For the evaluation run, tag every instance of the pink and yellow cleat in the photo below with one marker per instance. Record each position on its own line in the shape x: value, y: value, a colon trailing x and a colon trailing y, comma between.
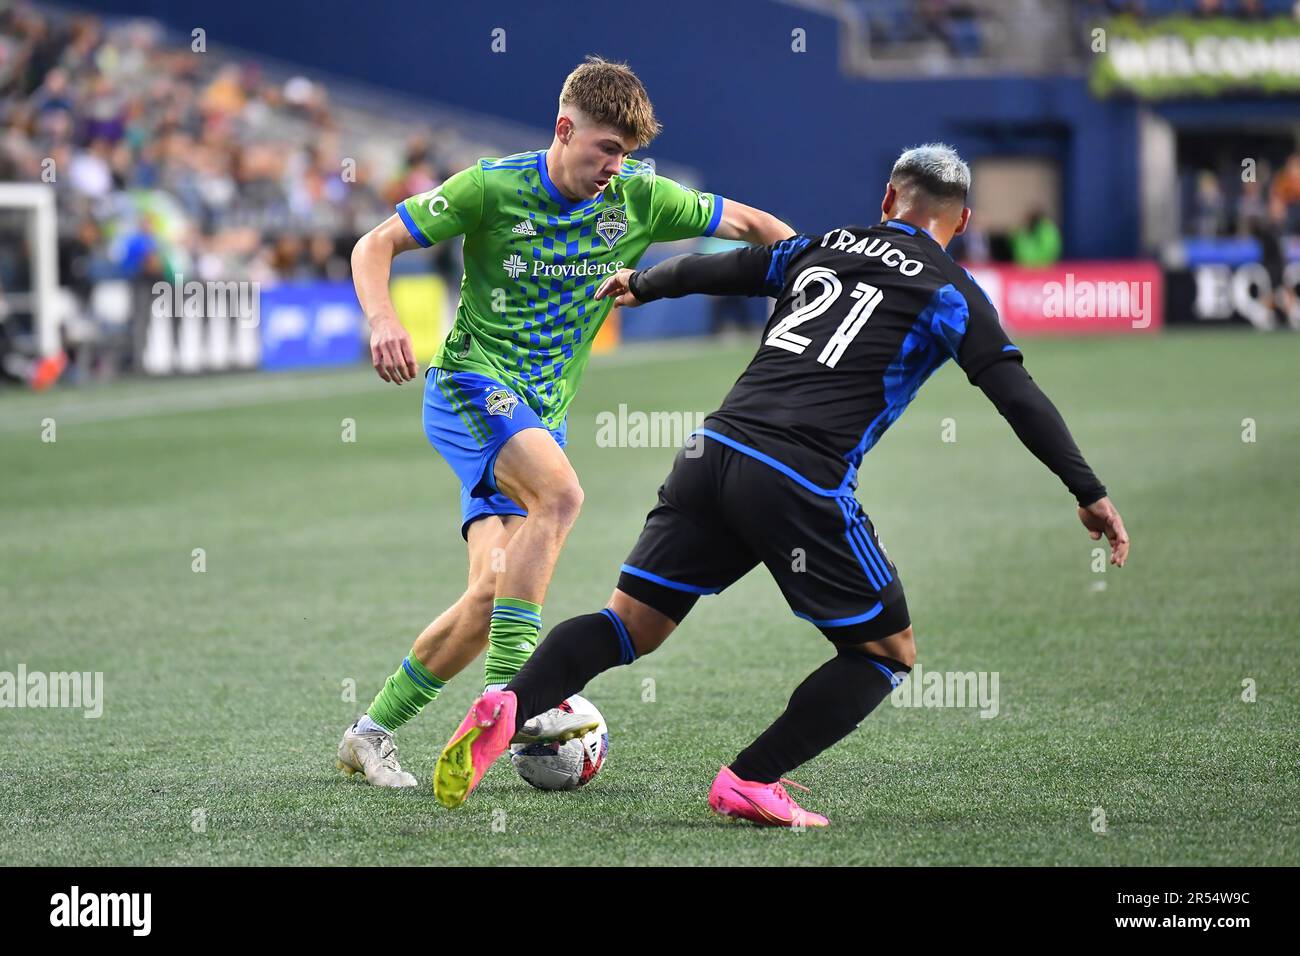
x: 764, y: 803
x: 483, y: 736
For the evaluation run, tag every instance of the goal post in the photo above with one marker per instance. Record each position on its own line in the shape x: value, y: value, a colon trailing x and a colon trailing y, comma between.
x: 36, y: 200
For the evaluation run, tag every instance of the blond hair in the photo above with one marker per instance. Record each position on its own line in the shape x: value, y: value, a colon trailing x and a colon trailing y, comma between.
x: 611, y: 95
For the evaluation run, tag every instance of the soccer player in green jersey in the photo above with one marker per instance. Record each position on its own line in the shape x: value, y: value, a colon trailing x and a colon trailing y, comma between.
x: 542, y: 230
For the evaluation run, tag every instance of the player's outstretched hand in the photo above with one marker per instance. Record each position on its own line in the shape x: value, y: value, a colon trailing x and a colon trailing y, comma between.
x: 1100, y: 518
x: 617, y: 285
x: 391, y: 352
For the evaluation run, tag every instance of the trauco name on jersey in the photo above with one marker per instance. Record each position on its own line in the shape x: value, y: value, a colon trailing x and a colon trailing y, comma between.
x: 887, y: 252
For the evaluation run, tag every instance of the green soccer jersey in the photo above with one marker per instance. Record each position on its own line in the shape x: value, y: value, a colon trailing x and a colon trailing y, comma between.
x: 534, y: 259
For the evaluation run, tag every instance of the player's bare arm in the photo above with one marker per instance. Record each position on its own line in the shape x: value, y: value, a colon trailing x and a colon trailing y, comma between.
x: 750, y: 225
x: 372, y: 260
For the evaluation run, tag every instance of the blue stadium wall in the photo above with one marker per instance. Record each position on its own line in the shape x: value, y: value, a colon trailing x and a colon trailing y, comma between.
x: 782, y: 130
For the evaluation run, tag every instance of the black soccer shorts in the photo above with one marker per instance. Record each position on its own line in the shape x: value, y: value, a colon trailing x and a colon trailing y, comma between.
x: 722, y: 511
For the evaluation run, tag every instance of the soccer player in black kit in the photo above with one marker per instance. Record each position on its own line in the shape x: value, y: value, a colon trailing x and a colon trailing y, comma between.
x: 864, y: 315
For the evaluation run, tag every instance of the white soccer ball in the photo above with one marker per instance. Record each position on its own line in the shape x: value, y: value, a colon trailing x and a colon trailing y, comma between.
x: 568, y: 765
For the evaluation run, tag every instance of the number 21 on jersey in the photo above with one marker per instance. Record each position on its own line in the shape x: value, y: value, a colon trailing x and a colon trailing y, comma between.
x: 868, y: 297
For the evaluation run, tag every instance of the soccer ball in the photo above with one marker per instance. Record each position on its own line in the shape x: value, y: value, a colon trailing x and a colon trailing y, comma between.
x: 567, y: 765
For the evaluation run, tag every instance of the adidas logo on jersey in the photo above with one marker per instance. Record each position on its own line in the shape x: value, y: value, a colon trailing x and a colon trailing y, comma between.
x: 525, y: 228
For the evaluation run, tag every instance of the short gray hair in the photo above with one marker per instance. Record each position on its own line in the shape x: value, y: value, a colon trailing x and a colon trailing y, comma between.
x: 935, y: 169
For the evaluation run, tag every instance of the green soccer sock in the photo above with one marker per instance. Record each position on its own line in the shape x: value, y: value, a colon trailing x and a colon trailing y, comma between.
x: 404, y: 694
x: 511, y: 639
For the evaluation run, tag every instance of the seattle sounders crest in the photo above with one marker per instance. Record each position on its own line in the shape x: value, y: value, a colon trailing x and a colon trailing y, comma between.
x: 611, y: 225
x: 502, y: 402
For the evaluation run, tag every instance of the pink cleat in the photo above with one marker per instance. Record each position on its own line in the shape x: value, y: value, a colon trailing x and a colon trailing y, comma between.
x: 483, y: 736
x: 764, y: 803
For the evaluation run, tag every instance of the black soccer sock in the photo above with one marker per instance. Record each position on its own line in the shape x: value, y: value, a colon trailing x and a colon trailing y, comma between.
x: 573, y: 653
x: 824, y: 709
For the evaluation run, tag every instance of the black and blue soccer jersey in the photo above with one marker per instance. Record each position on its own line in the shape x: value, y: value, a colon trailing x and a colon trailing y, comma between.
x: 863, y: 316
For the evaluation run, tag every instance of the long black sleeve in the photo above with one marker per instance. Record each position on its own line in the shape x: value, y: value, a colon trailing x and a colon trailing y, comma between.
x: 735, y: 272
x: 1039, y: 427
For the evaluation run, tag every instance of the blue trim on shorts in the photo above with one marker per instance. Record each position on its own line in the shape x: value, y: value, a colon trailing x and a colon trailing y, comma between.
x: 842, y: 621
x: 471, y: 509
x: 675, y: 585
x: 864, y: 549
x: 862, y: 559
x: 771, y: 463
x: 874, y: 555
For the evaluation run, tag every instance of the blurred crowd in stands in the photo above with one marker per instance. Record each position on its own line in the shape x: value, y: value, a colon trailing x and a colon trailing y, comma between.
x: 1233, y: 9
x: 966, y: 29
x: 167, y: 163
x: 170, y: 164
x: 1255, y: 202
x: 1237, y: 202
x: 953, y: 23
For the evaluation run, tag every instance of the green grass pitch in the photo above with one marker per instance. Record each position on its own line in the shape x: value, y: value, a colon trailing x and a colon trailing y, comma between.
x: 224, y: 691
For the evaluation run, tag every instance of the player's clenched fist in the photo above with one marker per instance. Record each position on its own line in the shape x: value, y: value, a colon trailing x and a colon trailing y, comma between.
x: 391, y: 352
x: 617, y: 287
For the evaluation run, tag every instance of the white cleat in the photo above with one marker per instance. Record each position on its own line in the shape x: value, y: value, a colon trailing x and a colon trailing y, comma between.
x: 374, y: 756
x: 554, y: 726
